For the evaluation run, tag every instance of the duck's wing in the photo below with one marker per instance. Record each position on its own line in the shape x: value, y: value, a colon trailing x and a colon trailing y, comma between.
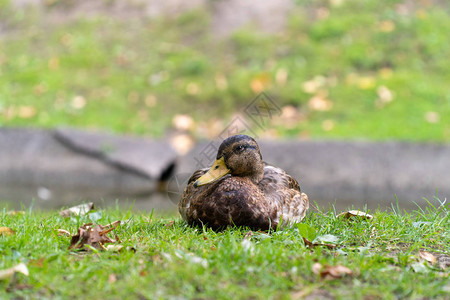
x: 282, y: 189
x: 276, y: 178
x: 189, y: 193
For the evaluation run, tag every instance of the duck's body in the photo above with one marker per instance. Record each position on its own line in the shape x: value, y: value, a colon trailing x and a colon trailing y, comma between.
x: 240, y: 189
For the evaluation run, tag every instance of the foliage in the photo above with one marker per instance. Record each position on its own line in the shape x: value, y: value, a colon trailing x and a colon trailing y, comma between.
x: 372, y: 69
x: 162, y: 257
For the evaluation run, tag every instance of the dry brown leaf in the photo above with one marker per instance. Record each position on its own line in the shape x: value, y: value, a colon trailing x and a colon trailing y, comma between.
x: 320, y: 103
x: 427, y: 256
x: 20, y: 268
x: 112, y: 278
x: 6, y: 231
x: 248, y: 235
x: 354, y: 213
x: 62, y: 232
x: 316, y: 268
x: 311, y: 244
x: 79, y: 210
x: 331, y: 272
x: 93, y: 236
x: 170, y: 224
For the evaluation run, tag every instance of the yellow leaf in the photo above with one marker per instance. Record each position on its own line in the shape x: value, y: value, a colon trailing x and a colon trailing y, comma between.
x: 354, y: 213
x: 6, y: 231
x: 319, y: 103
x: 26, y: 112
x: 427, y: 256
x: 20, y: 268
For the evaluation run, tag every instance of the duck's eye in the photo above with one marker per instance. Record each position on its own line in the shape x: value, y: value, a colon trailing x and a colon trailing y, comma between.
x: 240, y: 148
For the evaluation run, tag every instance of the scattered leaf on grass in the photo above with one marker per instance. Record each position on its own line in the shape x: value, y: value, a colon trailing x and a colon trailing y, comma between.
x: 427, y: 256
x: 326, y: 238
x: 170, y: 224
x: 311, y: 244
x: 307, y: 231
x: 331, y: 272
x: 62, y: 232
x: 114, y: 248
x: 6, y: 231
x: 248, y: 235
x: 15, y: 212
x: 355, y: 213
x: 20, y: 268
x: 93, y: 236
x: 112, y: 278
x: 420, y: 267
x: 79, y: 210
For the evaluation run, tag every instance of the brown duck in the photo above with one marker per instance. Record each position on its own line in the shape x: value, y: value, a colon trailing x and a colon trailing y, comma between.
x: 242, y: 190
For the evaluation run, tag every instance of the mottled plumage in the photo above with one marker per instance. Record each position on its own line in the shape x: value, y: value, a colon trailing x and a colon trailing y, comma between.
x: 240, y: 189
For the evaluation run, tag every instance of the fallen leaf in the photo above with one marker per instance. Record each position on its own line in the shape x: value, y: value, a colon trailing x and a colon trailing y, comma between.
x: 6, y: 231
x: 316, y: 268
x: 62, y: 232
x: 319, y: 103
x: 95, y: 236
x: 331, y: 272
x: 15, y: 212
x: 182, y: 143
x: 354, y: 213
x: 95, y: 216
x: 170, y: 224
x: 248, y: 235
x: 26, y: 112
x: 192, y: 88
x: 427, y: 256
x: 79, y: 210
x: 313, y: 85
x: 326, y: 238
x: 311, y: 244
x: 420, y: 267
x: 78, y: 102
x: 307, y: 231
x: 114, y: 248
x: 366, y: 83
x: 386, y: 26
x: 259, y: 83
x: 20, y: 268
x: 432, y: 117
x: 281, y: 76
x: 112, y: 278
x: 221, y: 82
x: 183, y: 122
x: 384, y: 96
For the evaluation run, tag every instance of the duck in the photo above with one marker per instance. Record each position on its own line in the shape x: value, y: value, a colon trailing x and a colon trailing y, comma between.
x: 242, y: 190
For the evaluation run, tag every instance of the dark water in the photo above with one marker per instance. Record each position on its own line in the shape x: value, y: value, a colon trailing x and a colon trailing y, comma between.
x: 45, y: 199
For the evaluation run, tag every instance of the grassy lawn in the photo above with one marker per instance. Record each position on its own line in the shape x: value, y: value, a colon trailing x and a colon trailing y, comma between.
x: 164, y: 258
x: 340, y: 69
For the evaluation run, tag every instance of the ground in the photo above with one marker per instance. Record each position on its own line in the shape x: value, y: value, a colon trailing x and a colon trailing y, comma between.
x: 387, y: 257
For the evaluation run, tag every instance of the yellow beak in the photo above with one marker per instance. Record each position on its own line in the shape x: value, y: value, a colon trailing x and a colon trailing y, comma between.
x: 218, y: 170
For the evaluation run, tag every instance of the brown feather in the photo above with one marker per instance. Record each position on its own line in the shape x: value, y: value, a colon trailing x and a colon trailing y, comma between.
x: 256, y: 197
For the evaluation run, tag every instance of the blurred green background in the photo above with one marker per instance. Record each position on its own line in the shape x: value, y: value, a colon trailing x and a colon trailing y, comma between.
x: 337, y: 68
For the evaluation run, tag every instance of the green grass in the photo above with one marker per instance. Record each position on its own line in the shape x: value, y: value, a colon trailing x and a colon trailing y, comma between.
x: 176, y: 261
x: 135, y: 74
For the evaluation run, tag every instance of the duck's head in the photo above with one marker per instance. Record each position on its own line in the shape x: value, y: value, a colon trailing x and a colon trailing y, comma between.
x: 239, y: 156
